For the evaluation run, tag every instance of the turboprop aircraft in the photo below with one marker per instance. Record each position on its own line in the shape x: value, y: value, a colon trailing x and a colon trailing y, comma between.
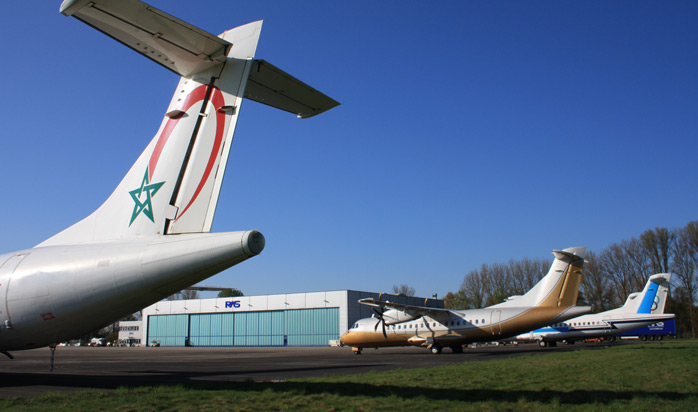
x: 151, y: 237
x: 640, y: 309
x: 551, y: 300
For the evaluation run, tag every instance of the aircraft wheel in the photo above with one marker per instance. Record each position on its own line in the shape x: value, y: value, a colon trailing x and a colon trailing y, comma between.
x: 660, y: 337
x: 457, y: 348
x: 643, y: 337
x: 542, y: 344
x: 357, y: 351
x: 435, y: 349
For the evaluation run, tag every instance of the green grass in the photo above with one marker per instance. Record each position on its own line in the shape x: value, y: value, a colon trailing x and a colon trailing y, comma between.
x: 652, y: 377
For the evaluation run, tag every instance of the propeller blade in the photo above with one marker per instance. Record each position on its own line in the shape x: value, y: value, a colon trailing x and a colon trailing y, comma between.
x: 380, y: 317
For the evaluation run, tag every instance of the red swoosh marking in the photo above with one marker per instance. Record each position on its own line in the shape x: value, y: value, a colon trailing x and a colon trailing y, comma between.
x: 218, y: 102
x: 195, y: 96
x: 192, y: 98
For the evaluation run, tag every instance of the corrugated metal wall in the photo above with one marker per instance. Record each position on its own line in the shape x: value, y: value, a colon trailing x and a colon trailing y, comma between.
x: 168, y: 330
x: 296, y: 327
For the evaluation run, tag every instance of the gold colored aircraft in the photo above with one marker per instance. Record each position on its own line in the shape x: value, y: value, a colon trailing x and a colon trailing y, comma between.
x: 551, y: 300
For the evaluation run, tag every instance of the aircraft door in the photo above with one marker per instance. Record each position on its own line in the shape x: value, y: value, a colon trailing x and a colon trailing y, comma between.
x: 496, y: 322
x: 607, y: 324
x: 6, y: 269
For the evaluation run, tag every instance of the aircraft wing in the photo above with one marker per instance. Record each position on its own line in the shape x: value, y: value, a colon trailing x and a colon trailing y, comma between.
x: 421, y: 310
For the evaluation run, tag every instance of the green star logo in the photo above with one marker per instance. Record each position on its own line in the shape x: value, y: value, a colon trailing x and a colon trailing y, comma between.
x: 143, y: 196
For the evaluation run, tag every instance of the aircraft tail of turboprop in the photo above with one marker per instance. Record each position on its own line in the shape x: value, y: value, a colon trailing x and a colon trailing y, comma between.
x: 653, y: 297
x: 560, y: 287
x: 174, y: 185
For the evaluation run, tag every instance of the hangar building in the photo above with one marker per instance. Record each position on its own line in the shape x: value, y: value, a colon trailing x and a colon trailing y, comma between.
x: 295, y: 319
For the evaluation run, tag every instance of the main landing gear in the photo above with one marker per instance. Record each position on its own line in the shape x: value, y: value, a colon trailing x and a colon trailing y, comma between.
x: 436, y: 349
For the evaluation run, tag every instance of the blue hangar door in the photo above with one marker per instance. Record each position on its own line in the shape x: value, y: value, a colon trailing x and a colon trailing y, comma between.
x: 295, y: 327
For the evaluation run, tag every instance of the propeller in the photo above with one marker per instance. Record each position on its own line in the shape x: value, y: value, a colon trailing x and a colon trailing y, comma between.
x: 379, y: 316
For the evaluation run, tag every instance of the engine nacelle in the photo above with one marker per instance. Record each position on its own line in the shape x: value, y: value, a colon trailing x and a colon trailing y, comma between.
x: 395, y: 316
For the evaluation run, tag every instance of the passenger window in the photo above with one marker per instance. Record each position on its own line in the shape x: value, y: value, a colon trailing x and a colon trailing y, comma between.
x: 476, y: 321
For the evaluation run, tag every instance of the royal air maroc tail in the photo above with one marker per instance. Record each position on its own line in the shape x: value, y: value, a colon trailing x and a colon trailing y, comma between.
x: 151, y: 237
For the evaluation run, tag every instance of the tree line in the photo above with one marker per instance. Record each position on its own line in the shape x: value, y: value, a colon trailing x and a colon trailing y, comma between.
x: 609, y: 276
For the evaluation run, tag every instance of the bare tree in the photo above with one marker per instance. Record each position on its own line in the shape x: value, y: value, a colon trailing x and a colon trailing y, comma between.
x: 403, y: 290
x: 626, y: 267
x: 473, y: 288
x: 658, y: 247
x: 492, y: 284
x: 595, y: 285
x: 533, y: 271
x: 685, y: 267
x: 185, y: 294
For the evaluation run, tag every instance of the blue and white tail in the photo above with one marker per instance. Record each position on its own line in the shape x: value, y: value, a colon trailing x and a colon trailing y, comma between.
x: 653, y: 297
x: 174, y: 185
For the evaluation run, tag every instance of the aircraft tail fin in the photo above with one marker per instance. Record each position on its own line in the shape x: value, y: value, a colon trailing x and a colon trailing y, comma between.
x: 631, y: 303
x: 560, y: 287
x: 174, y: 185
x: 653, y: 297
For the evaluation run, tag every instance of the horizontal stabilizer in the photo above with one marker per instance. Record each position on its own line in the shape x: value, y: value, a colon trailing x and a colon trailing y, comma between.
x: 167, y: 40
x: 570, y: 255
x: 272, y: 86
x: 188, y: 51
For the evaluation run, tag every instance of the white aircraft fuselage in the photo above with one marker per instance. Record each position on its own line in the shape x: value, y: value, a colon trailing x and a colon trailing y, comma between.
x: 640, y: 309
x: 55, y: 293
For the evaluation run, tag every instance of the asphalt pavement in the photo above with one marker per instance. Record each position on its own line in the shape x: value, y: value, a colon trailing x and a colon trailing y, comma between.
x: 107, y: 368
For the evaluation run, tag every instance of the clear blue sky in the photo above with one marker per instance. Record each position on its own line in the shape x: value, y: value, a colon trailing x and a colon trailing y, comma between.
x: 470, y: 132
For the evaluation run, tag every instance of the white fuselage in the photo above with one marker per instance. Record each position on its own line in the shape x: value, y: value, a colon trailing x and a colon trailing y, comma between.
x: 594, y: 326
x: 51, y: 294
